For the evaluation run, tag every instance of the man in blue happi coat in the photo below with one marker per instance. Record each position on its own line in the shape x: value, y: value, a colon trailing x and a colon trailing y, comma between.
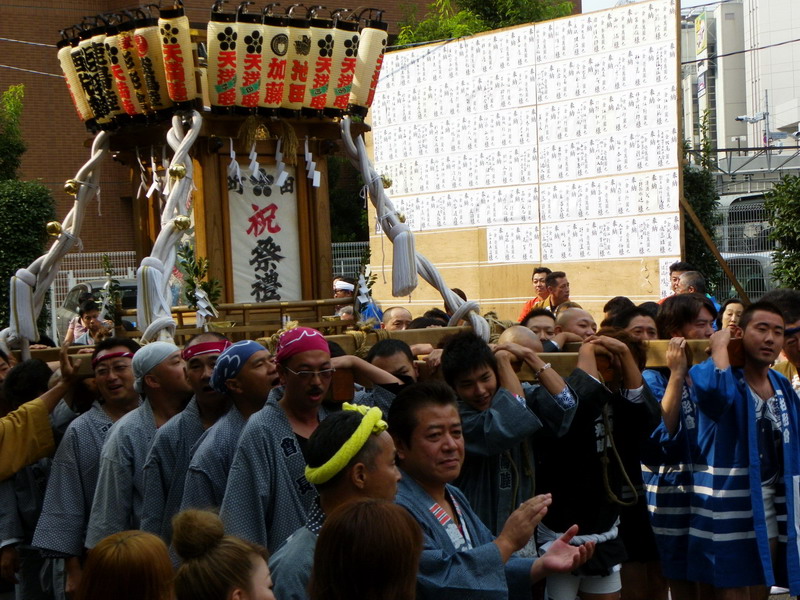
x: 160, y: 377
x: 744, y: 533
x: 461, y: 558
x: 174, y: 443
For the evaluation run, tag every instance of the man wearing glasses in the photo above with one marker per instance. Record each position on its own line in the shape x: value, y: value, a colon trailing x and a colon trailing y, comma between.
x: 61, y: 530
x: 267, y: 496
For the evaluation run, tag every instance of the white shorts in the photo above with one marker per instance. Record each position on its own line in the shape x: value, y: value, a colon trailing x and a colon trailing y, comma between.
x: 770, y: 514
x: 565, y: 586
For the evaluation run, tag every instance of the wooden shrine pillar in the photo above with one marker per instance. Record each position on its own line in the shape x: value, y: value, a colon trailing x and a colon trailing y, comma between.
x: 211, y: 200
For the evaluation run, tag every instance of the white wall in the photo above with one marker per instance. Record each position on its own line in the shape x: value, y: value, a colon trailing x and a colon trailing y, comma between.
x: 774, y: 69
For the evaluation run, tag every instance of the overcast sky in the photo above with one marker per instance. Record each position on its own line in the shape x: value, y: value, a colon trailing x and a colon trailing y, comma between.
x: 591, y: 5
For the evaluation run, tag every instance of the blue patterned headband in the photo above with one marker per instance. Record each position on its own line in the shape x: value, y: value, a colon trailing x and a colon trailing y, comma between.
x: 230, y: 363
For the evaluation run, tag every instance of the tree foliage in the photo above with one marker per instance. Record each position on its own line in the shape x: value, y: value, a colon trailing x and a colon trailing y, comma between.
x: 11, y: 145
x: 783, y: 207
x: 348, y: 213
x: 25, y: 209
x: 506, y: 13
x: 25, y: 206
x: 700, y: 191
x: 195, y: 275
x: 447, y: 20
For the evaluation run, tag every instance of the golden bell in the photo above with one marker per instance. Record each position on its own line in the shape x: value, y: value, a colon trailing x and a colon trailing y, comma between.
x: 72, y: 187
x: 386, y: 181
x: 401, y: 217
x: 178, y: 171
x: 53, y: 228
x: 182, y: 223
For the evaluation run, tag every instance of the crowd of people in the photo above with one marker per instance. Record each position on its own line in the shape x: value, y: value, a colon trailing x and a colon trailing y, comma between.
x: 221, y: 470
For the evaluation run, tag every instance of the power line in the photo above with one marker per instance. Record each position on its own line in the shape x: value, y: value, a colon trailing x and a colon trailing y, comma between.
x: 30, y: 71
x: 5, y: 39
x: 745, y: 51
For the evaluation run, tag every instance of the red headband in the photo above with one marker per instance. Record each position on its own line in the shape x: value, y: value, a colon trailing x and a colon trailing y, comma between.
x: 297, y: 340
x: 111, y: 355
x: 217, y: 347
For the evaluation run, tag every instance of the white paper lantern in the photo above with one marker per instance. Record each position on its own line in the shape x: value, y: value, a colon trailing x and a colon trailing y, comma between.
x: 147, y: 38
x: 320, y: 62
x: 370, y: 59
x: 133, y: 66
x: 249, y: 58
x: 176, y: 50
x: 294, y: 89
x: 345, y: 55
x: 273, y: 69
x: 73, y: 83
x: 221, y: 44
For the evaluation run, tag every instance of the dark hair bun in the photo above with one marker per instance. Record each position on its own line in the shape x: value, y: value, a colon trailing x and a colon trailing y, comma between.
x: 196, y: 532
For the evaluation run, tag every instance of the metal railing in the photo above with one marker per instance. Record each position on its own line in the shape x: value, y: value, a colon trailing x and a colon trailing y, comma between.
x: 743, y: 239
x: 86, y: 266
x: 347, y: 258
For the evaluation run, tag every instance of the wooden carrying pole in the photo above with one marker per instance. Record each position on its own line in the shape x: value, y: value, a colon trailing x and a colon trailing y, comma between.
x: 713, y: 247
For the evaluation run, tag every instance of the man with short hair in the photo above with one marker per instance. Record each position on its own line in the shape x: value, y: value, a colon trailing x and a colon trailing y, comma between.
x: 557, y: 289
x: 691, y: 317
x: 677, y: 269
x: 669, y: 459
x: 577, y: 321
x: 691, y: 282
x: 244, y: 374
x: 542, y: 323
x: 749, y: 419
x: 350, y: 457
x: 461, y: 558
x: 61, y: 529
x: 173, y: 445
x: 395, y: 357
x: 540, y: 288
x: 638, y: 322
x: 396, y: 318
x: 789, y: 302
x: 499, y: 416
x: 267, y: 496
x: 160, y: 376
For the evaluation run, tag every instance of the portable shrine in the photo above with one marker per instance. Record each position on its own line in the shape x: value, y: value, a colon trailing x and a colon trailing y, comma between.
x: 227, y: 129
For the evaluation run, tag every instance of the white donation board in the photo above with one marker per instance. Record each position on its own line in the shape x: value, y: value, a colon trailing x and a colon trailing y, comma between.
x: 559, y: 139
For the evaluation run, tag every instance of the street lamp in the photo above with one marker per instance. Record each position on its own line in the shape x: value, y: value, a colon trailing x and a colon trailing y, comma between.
x: 754, y: 119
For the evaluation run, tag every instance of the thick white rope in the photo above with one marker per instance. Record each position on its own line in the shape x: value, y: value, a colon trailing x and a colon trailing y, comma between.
x: 29, y: 286
x: 154, y: 306
x: 407, y: 261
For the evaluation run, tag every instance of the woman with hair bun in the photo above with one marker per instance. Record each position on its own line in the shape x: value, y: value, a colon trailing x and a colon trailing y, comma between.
x: 217, y: 566
x: 129, y: 565
x: 368, y: 549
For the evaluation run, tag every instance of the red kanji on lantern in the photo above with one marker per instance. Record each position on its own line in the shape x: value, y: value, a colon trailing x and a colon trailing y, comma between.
x: 273, y: 93
x: 276, y: 69
x: 227, y: 58
x: 296, y: 92
x: 123, y: 89
x: 251, y: 79
x: 263, y: 218
x: 299, y: 70
x: 374, y: 82
x: 173, y: 67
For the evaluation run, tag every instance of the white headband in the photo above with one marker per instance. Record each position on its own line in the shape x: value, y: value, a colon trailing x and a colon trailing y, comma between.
x: 343, y: 286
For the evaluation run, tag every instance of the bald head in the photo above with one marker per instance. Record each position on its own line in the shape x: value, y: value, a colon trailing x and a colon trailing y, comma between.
x: 519, y: 334
x: 396, y: 318
x: 577, y: 321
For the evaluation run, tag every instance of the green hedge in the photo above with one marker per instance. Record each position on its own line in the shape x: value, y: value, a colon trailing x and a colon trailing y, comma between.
x: 25, y: 209
x: 783, y: 207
